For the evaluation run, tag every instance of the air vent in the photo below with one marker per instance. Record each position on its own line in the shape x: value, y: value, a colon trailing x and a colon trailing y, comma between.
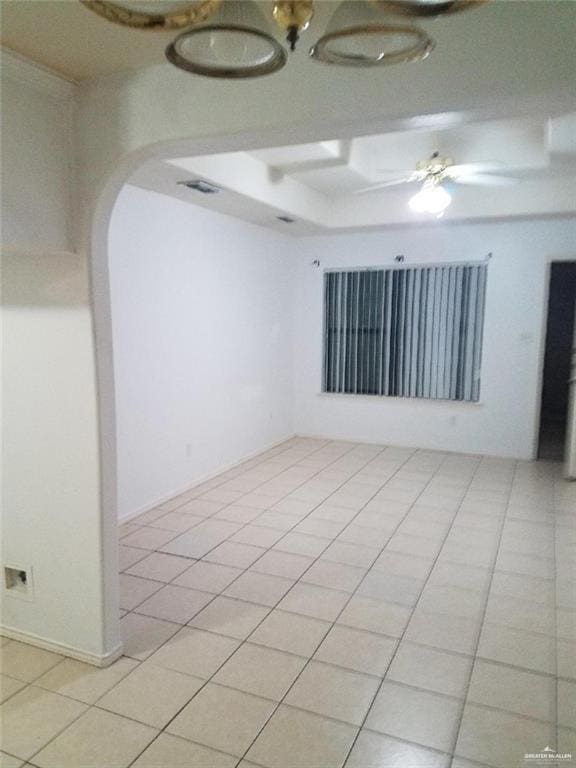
x: 286, y: 219
x: 201, y: 186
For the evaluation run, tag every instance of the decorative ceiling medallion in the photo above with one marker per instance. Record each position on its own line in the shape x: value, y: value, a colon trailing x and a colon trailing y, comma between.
x: 183, y: 16
x: 424, y: 8
x: 417, y: 45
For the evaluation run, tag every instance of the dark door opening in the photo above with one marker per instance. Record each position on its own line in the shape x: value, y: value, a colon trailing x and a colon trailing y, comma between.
x: 559, y: 335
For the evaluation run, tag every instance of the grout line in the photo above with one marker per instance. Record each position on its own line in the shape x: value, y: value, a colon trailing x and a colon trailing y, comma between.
x: 484, y: 623
x: 366, y: 716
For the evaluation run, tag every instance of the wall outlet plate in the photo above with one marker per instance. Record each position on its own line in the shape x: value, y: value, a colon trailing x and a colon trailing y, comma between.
x: 17, y: 581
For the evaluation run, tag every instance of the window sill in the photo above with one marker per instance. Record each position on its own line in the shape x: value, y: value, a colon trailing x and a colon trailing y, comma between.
x: 397, y: 398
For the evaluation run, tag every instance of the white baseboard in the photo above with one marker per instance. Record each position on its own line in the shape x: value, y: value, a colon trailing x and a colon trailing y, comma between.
x: 30, y: 638
x: 204, y: 479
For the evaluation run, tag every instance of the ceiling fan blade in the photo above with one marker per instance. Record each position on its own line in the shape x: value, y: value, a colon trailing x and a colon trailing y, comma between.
x: 485, y: 180
x: 465, y: 169
x: 383, y: 185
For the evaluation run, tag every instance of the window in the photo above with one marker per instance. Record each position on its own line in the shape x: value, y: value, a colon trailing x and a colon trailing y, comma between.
x: 405, y: 332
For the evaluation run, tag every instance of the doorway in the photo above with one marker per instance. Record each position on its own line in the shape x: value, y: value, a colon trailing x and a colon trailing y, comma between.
x: 556, y: 374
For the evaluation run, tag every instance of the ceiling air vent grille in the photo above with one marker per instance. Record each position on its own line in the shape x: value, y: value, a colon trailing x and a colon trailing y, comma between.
x: 205, y: 187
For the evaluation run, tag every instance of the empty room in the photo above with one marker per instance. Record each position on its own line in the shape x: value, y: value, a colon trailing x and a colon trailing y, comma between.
x: 288, y: 384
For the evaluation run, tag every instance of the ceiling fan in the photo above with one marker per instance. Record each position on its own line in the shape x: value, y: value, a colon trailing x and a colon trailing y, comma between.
x: 433, y: 173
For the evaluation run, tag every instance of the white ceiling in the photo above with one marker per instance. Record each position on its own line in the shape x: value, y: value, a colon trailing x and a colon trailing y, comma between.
x: 315, y: 183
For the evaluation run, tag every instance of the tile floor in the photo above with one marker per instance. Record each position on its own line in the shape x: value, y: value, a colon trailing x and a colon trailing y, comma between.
x: 326, y: 604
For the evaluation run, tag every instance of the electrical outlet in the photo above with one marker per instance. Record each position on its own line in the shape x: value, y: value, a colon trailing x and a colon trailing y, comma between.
x: 18, y: 581
x: 188, y: 449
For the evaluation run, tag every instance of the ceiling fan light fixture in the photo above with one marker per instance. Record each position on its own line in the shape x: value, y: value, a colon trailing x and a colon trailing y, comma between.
x: 357, y: 37
x: 426, y: 8
x: 431, y: 198
x: 234, y: 44
x: 161, y: 15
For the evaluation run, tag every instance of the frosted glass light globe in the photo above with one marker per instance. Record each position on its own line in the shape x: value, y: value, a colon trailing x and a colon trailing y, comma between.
x: 431, y: 198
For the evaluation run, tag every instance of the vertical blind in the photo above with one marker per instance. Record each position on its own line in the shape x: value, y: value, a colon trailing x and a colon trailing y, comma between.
x: 408, y: 332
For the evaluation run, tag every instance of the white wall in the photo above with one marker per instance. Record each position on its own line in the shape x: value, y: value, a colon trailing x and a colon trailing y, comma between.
x: 36, y: 174
x: 50, y: 510
x: 504, y: 422
x: 51, y: 516
x: 201, y: 318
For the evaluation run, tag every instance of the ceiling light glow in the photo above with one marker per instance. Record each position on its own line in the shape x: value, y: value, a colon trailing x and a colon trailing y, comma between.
x: 432, y: 198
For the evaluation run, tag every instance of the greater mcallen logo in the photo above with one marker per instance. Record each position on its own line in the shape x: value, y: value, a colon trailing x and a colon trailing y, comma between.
x: 548, y: 754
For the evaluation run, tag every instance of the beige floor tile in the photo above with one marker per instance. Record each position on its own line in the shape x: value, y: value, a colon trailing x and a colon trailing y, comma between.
x: 452, y: 601
x: 366, y: 535
x: 566, y: 659
x: 234, y: 554
x: 226, y: 616
x: 295, y: 739
x: 26, y: 662
x: 261, y: 588
x: 147, y: 517
x: 84, y: 682
x: 567, y: 741
x: 375, y: 616
x: 446, y: 574
x: 134, y: 590
x: 289, y: 632
x: 393, y: 589
x: 178, y: 522
x: 201, y: 539
x: 174, y: 752
x: 374, y: 750
x: 325, y: 573
x: 201, y: 507
x: 521, y: 649
x: 313, y: 526
x: 357, y: 650
x: 350, y: 554
x: 518, y: 691
x: 124, y: 530
x: 127, y: 556
x: 430, y: 669
x: 8, y: 761
x: 400, y: 564
x: 528, y: 565
x: 208, y: 577
x: 142, y: 635
x: 257, y: 536
x: 276, y: 520
x: 333, y: 692
x: 223, y: 718
x: 523, y: 588
x: 302, y: 544
x: 418, y: 716
x: 195, y: 652
x: 151, y: 694
x: 500, y: 739
x: 148, y: 538
x: 317, y: 602
x: 519, y: 614
x: 282, y: 564
x: 97, y: 739
x: 9, y: 686
x: 177, y: 604
x: 32, y: 717
x: 293, y: 507
x: 159, y: 567
x: 237, y: 514
x: 567, y: 703
x: 262, y: 671
x: 449, y: 633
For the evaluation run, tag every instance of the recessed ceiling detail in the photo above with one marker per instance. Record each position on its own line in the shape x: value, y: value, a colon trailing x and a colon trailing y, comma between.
x: 489, y: 170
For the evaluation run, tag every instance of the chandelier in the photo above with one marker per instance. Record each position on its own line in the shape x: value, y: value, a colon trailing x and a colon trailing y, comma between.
x: 235, y: 38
